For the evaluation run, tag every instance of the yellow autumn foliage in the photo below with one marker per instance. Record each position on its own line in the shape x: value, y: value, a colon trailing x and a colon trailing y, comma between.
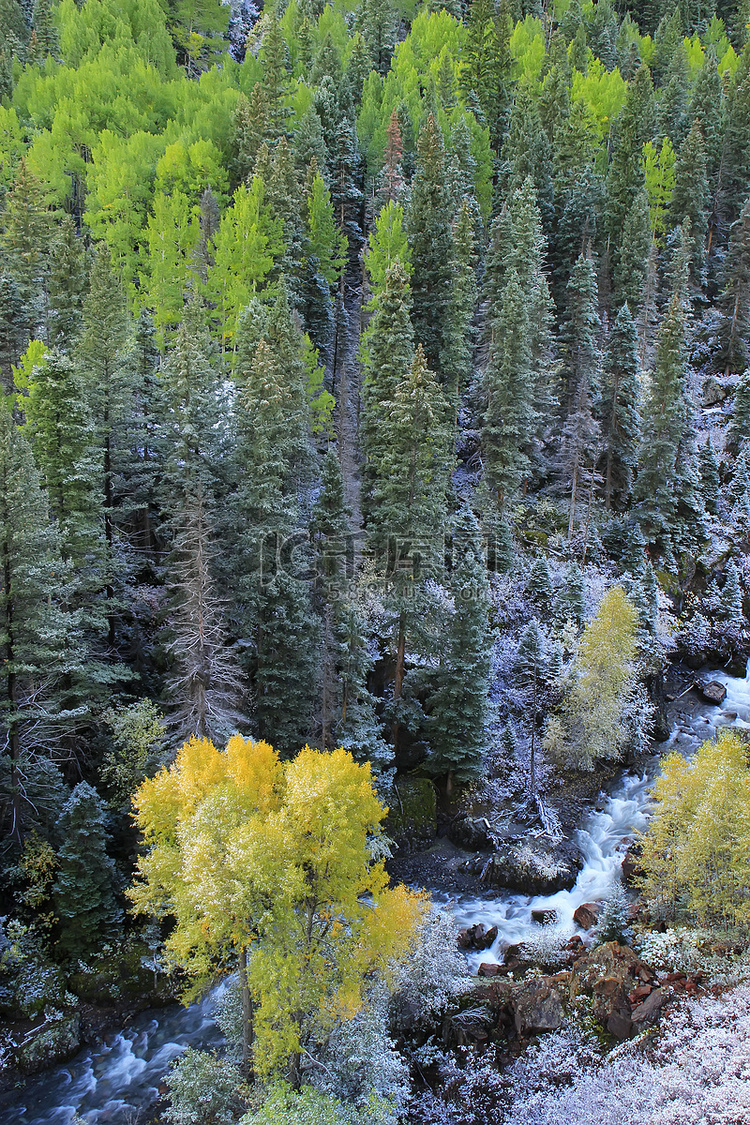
x: 249, y: 853
x: 696, y: 852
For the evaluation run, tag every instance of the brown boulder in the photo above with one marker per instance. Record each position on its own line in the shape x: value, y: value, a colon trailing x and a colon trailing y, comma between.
x: 476, y: 937
x: 587, y: 915
x: 712, y: 691
x: 608, y: 974
x: 648, y: 1012
x: 619, y: 1026
x: 488, y: 969
x: 538, y: 1008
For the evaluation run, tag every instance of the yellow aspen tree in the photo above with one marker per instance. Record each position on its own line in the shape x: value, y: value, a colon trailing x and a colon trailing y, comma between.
x: 270, y: 865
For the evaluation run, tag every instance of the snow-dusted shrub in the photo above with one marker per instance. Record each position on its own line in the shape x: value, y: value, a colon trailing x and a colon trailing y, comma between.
x: 436, y: 974
x: 227, y: 1011
x: 687, y: 950
x: 203, y: 1090
x: 469, y: 1090
x: 546, y: 946
x: 359, y: 1063
x: 614, y: 923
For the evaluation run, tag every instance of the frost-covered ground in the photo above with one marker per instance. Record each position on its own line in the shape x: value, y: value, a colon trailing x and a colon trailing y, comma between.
x: 698, y: 1074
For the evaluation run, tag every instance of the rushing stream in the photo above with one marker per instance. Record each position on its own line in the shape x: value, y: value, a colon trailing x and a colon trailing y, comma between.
x: 110, y: 1085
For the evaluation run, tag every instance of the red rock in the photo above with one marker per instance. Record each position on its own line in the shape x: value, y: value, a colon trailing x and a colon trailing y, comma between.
x: 587, y: 915
x: 639, y: 993
x: 488, y: 969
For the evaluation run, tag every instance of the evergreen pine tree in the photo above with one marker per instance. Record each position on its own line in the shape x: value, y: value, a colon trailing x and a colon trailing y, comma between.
x: 634, y: 127
x: 44, y: 27
x: 272, y: 458
x: 83, y: 890
x: 36, y: 632
x: 410, y: 475
x: 620, y: 410
x: 346, y: 193
x: 634, y: 252
x: 457, y: 707
x: 735, y: 299
x: 530, y: 670
x: 274, y: 56
x: 690, y: 196
x: 25, y: 238
x: 508, y: 419
x: 709, y: 472
x: 250, y: 128
x: 539, y: 585
x: 665, y: 418
x: 731, y: 597
x: 431, y: 242
x: 485, y: 74
x: 63, y: 435
x: 204, y: 678
x: 580, y: 446
x: 66, y: 286
x: 378, y: 22
x: 571, y: 598
x: 389, y: 354
x: 12, y: 328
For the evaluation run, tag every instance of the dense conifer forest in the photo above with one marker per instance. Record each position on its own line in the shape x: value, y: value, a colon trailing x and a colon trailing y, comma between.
x: 374, y: 482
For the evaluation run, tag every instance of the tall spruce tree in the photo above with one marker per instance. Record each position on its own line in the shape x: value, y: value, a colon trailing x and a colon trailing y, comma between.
x: 620, y: 410
x: 735, y: 298
x: 389, y: 351
x: 66, y: 286
x: 83, y: 890
x: 38, y: 636
x: 582, y: 372
x: 662, y: 473
x: 508, y: 385
x: 691, y: 195
x: 411, y: 477
x: 108, y: 392
x: 457, y: 707
x: 273, y: 460
x: 431, y: 242
x: 204, y: 677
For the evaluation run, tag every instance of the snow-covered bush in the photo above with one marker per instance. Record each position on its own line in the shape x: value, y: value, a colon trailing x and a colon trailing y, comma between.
x: 687, y: 950
x: 546, y: 946
x: 203, y: 1090
x: 436, y: 974
x: 359, y: 1062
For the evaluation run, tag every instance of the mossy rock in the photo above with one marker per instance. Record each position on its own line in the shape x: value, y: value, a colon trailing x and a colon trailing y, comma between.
x: 54, y: 1044
x: 37, y: 985
x: 412, y: 817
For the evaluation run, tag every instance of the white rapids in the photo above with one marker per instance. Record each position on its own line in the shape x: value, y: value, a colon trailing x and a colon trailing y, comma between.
x: 116, y: 1083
